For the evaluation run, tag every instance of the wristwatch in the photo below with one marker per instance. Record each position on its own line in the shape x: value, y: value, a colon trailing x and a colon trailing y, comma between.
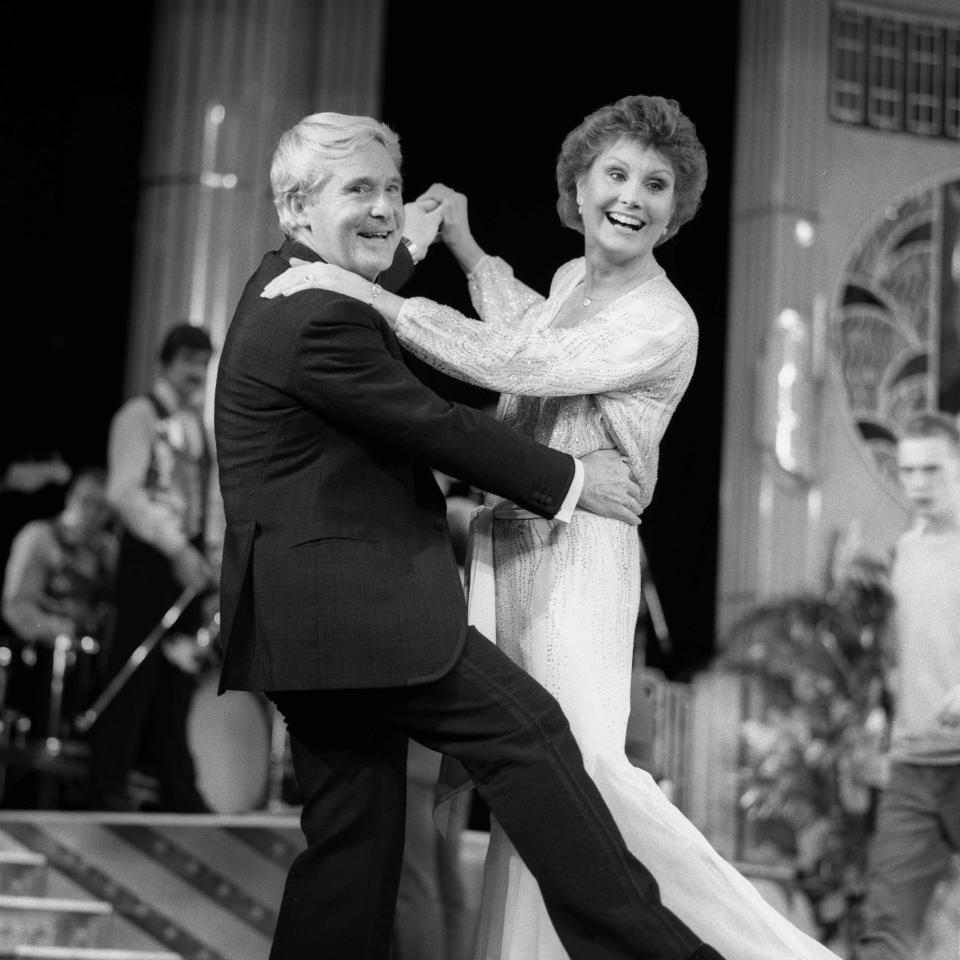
x: 412, y: 248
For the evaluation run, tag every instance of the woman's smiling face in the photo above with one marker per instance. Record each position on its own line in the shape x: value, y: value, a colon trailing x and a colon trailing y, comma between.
x: 627, y: 199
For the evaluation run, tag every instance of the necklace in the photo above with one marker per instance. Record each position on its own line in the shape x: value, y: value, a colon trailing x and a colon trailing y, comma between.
x: 589, y: 301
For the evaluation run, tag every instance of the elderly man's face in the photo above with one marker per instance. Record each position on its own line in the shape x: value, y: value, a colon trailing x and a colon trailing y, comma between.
x: 356, y: 217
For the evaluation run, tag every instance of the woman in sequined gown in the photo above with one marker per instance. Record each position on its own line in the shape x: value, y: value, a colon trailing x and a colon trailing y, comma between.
x: 600, y: 363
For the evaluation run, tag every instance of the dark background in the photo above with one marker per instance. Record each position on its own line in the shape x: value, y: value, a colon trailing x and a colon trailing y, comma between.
x: 73, y: 85
x: 486, y: 114
x: 481, y: 95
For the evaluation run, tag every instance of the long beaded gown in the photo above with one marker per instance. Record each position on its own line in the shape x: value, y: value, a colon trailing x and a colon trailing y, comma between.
x: 567, y: 595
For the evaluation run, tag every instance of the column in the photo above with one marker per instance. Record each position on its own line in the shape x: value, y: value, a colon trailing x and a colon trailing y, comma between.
x: 227, y: 77
x: 769, y: 496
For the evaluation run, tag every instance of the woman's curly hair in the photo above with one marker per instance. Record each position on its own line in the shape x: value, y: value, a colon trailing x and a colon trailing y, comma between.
x: 650, y: 121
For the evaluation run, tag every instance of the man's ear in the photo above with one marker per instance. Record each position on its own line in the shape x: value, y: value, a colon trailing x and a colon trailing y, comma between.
x: 298, y: 209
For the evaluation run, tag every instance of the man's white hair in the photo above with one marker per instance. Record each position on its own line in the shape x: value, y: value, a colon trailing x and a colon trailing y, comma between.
x: 300, y: 160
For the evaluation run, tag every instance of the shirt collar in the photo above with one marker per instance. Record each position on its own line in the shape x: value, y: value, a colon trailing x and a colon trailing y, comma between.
x: 167, y: 395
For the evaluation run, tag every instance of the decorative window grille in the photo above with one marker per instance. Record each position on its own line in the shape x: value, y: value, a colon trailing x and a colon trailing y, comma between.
x: 894, y: 334
x: 924, y: 113
x: 849, y: 88
x: 895, y: 71
x: 885, y: 75
x: 951, y: 120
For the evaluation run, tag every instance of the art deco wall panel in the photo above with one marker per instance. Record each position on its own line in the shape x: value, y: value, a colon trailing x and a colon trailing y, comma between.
x: 844, y: 278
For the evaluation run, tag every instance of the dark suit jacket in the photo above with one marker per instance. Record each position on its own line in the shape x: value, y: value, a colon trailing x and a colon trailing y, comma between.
x: 337, y: 567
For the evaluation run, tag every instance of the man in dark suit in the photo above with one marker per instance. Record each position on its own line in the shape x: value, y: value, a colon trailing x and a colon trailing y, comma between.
x: 341, y: 597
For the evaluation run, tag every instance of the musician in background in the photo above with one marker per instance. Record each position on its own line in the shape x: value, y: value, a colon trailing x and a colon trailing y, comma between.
x: 162, y: 483
x: 30, y: 489
x: 57, y: 588
x: 58, y: 575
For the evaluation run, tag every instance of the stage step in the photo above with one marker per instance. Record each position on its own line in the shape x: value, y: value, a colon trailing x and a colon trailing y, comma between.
x: 80, y: 953
x: 55, y: 921
x: 23, y: 873
x: 204, y: 887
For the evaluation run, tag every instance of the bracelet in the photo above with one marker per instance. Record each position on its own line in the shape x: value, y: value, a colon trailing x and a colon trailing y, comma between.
x: 374, y: 293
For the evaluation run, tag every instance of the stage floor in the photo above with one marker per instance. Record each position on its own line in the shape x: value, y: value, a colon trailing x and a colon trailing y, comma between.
x: 201, y: 887
x: 208, y: 887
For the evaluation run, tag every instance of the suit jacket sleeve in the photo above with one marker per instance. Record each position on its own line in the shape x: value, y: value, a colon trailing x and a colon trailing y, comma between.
x: 449, y: 387
x: 346, y: 372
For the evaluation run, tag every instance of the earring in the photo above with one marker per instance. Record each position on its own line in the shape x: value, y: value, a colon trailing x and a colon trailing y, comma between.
x: 579, y: 206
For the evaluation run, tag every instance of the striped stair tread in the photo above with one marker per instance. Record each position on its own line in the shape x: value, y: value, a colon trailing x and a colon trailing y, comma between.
x: 23, y: 873
x: 21, y: 856
x: 204, y: 887
x: 80, y: 953
x: 55, y: 921
x: 56, y: 904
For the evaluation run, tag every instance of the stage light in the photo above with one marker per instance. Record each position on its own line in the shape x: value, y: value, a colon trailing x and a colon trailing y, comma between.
x: 804, y: 233
x: 787, y: 392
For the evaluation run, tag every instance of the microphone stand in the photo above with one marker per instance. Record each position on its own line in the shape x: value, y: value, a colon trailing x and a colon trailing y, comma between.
x: 93, y: 713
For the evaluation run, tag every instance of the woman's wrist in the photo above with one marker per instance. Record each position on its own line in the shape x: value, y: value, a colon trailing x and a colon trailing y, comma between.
x: 387, y: 304
x: 468, y: 253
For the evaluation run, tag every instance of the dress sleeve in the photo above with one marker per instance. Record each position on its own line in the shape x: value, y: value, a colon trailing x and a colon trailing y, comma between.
x: 645, y: 340
x: 499, y: 297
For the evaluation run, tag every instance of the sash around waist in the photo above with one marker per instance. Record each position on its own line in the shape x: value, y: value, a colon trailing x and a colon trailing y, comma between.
x: 478, y: 580
x: 507, y: 510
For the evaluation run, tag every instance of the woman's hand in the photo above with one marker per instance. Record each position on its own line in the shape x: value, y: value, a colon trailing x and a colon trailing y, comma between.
x: 318, y: 276
x: 327, y: 276
x: 455, y: 229
x: 456, y: 222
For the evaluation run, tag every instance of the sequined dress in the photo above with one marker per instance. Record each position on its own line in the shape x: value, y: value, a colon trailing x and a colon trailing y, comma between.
x: 567, y: 595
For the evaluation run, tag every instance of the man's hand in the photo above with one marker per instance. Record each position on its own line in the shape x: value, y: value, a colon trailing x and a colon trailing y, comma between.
x: 455, y: 230
x: 949, y: 715
x: 421, y: 225
x: 191, y: 569
x: 184, y: 652
x: 609, y: 490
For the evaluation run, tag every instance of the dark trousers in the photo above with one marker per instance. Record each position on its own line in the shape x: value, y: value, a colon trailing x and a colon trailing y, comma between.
x: 432, y: 921
x: 917, y: 835
x: 349, y: 754
x: 155, y: 702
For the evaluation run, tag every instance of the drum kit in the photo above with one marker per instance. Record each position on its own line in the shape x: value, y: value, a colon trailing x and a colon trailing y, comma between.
x: 238, y: 740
